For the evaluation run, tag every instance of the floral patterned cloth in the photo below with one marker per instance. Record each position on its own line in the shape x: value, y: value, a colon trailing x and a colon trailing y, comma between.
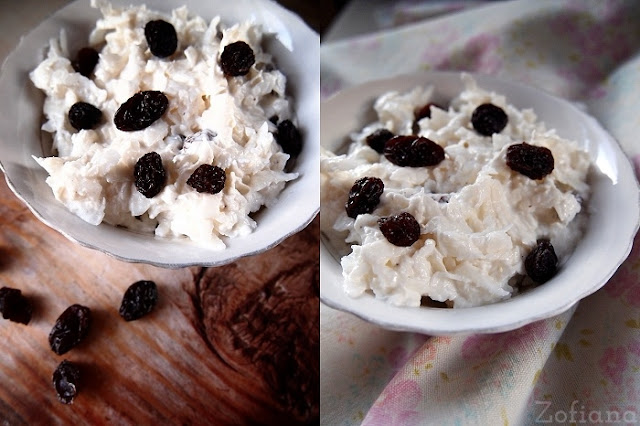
x: 580, y: 367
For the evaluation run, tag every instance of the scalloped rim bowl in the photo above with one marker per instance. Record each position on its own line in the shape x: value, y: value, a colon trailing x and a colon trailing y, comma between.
x: 296, y: 50
x: 612, y: 224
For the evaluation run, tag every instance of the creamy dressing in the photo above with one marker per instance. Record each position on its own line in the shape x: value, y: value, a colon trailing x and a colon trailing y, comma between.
x: 479, y: 219
x: 211, y: 119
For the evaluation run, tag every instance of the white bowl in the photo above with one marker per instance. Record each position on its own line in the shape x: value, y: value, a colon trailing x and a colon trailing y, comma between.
x: 295, y: 48
x: 612, y: 223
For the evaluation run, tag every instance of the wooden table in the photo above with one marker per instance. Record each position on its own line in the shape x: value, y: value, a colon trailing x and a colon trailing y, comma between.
x: 230, y: 345
x: 234, y: 344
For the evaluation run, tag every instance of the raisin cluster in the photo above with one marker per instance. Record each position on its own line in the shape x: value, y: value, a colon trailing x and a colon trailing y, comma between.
x: 403, y: 229
x: 72, y: 327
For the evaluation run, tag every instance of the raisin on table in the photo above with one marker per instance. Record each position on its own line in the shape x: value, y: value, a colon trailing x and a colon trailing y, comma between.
x: 161, y: 37
x: 364, y: 196
x: 541, y: 263
x: 378, y: 139
x: 139, y: 299
x: 289, y: 138
x: 236, y: 59
x: 84, y: 116
x: 85, y: 61
x: 14, y: 306
x: 66, y: 378
x: 488, y: 119
x: 535, y: 162
x: 413, y: 151
x: 71, y: 327
x: 401, y: 230
x: 149, y: 174
x: 141, y: 110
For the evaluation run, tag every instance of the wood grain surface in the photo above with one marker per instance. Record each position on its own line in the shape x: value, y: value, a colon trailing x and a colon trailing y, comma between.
x: 238, y: 344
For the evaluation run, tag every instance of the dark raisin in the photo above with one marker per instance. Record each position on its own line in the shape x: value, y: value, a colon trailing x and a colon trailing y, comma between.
x: 149, y: 174
x: 488, y: 119
x: 138, y: 300
x: 424, y: 111
x: 237, y: 59
x: 378, y: 139
x: 85, y: 61
x: 401, y: 229
x: 83, y: 115
x: 413, y: 151
x: 71, y: 327
x: 535, y: 162
x: 140, y: 110
x: 208, y: 178
x: 66, y: 378
x: 289, y: 138
x: 161, y: 37
x: 364, y: 196
x: 14, y: 306
x: 541, y: 262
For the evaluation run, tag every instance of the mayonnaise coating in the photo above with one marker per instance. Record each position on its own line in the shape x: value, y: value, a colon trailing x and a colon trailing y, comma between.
x: 479, y: 219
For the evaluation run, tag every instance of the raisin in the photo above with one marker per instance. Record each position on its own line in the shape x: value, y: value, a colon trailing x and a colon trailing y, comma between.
x: 424, y: 111
x: 14, y: 306
x: 541, y: 263
x: 149, y: 174
x: 289, y: 138
x: 140, y: 111
x: 236, y: 59
x: 401, y: 229
x: 535, y: 162
x: 66, y: 378
x: 161, y: 37
x: 413, y: 151
x: 83, y: 115
x: 378, y: 139
x: 488, y: 119
x: 85, y: 61
x: 364, y: 196
x: 208, y: 178
x: 138, y: 300
x: 71, y: 327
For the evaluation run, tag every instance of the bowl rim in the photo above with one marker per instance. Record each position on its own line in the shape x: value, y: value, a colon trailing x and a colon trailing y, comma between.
x: 307, y: 206
x: 481, y: 319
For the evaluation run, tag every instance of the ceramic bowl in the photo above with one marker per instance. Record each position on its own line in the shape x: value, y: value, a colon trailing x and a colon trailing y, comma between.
x: 613, y: 212
x: 294, y: 46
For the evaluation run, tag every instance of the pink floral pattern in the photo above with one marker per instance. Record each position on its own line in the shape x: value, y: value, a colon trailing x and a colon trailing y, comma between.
x: 614, y: 363
x: 397, y: 406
